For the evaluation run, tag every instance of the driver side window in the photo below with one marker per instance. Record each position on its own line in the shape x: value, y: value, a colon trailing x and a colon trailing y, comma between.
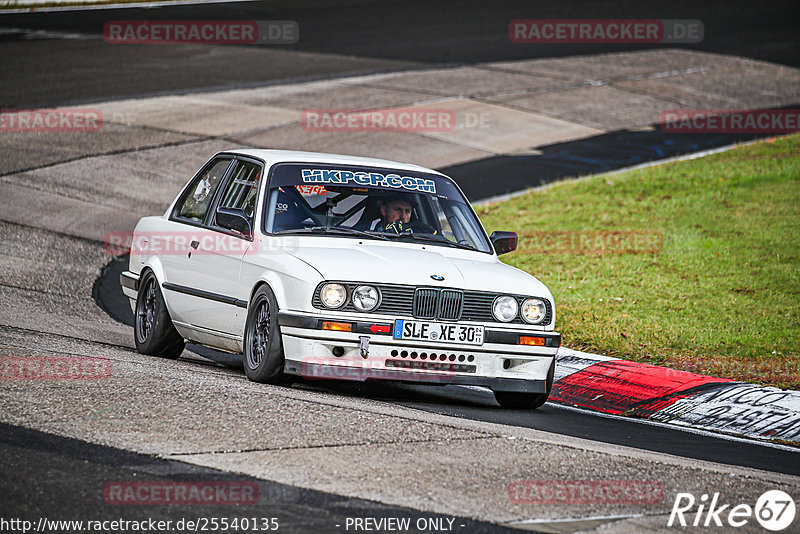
x: 198, y: 197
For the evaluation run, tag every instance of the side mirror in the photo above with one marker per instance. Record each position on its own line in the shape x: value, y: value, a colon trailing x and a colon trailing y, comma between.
x: 504, y: 241
x: 234, y: 219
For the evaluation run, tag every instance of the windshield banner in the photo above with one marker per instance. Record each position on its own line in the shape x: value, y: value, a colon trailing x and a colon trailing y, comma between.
x: 373, y: 179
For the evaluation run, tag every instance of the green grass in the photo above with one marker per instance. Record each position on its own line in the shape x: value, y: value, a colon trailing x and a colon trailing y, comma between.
x: 719, y: 295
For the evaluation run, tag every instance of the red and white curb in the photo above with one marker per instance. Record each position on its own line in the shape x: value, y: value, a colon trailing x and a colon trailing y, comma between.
x: 626, y: 388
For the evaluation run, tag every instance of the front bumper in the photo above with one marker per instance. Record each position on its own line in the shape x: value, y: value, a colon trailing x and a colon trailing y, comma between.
x: 500, y: 363
x: 130, y: 283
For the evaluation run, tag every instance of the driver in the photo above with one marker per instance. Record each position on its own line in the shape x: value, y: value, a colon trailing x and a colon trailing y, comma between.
x: 396, y: 216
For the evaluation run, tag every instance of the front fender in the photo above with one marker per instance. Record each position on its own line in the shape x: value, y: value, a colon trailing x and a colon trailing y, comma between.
x: 291, y: 280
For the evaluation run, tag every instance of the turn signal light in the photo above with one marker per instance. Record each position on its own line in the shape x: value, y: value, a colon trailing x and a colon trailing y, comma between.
x: 340, y: 327
x: 527, y: 340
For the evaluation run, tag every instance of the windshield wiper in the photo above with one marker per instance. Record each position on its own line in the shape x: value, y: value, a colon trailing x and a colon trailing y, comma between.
x: 332, y: 229
x: 434, y: 239
x: 376, y: 235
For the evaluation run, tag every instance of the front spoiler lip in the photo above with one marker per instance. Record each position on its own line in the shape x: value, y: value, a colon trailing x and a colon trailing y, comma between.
x: 316, y: 371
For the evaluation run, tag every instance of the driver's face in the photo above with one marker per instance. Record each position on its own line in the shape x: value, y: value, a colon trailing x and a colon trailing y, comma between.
x: 396, y: 210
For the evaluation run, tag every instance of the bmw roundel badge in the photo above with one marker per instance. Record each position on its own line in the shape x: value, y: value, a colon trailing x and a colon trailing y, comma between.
x: 437, y: 277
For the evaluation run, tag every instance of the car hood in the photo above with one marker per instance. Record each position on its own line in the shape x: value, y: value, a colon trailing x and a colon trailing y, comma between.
x: 409, y: 264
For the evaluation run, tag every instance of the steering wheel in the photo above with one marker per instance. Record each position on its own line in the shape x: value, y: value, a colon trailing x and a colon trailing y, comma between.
x: 422, y: 228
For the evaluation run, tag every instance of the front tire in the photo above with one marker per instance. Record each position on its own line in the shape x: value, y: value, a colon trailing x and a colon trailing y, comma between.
x: 263, y: 348
x: 527, y: 401
x: 153, y: 330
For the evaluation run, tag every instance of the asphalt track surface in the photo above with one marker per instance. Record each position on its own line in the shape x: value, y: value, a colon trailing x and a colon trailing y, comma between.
x: 76, y: 473
x: 592, y: 155
x: 479, y: 405
x: 54, y: 65
x: 341, y: 38
x: 362, y: 37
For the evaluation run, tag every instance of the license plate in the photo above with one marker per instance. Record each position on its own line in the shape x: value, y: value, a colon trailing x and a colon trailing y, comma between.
x: 438, y: 332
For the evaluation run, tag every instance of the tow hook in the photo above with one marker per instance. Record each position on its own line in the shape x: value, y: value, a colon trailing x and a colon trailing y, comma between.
x: 364, y: 346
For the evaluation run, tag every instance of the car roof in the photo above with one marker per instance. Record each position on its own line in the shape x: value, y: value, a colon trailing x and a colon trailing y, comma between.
x: 271, y: 157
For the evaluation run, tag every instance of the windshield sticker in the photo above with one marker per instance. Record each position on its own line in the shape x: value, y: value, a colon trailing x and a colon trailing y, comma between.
x: 312, y: 190
x: 394, y: 181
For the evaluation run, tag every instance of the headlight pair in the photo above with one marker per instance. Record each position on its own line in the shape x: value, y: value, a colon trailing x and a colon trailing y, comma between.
x: 505, y: 309
x: 364, y: 298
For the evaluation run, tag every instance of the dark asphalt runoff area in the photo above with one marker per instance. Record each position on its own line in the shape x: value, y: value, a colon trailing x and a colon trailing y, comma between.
x: 42, y: 69
x: 592, y: 155
x: 341, y: 38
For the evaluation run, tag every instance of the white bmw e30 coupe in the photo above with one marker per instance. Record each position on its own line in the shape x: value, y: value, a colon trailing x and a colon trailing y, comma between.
x: 339, y: 267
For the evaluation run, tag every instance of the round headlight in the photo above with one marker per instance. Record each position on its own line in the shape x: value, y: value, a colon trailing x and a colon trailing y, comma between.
x: 505, y: 308
x: 333, y: 295
x: 365, y: 298
x: 534, y: 310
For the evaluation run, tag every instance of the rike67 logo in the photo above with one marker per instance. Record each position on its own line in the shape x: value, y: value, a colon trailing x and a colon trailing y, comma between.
x: 774, y: 510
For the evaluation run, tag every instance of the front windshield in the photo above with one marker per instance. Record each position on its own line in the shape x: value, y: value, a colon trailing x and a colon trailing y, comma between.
x: 373, y: 203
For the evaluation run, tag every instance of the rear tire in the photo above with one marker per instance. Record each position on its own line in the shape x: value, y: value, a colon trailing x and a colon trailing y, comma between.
x: 263, y: 348
x: 527, y: 401
x: 153, y: 330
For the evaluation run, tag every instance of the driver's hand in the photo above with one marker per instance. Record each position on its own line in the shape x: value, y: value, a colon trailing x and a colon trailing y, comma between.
x: 397, y: 227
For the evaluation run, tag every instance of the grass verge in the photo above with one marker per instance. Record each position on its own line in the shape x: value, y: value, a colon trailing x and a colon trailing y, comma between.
x: 693, y: 265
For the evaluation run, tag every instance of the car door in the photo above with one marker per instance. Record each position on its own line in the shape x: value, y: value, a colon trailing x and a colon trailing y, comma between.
x: 215, y: 263
x: 186, y: 225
